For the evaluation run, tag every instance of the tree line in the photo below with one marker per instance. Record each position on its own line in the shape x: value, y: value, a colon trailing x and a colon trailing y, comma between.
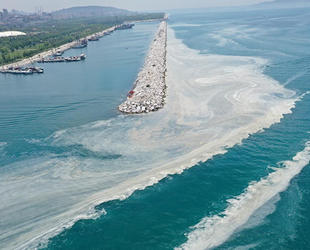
x: 52, y: 34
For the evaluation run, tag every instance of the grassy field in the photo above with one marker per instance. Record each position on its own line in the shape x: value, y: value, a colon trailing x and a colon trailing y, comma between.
x: 54, y: 33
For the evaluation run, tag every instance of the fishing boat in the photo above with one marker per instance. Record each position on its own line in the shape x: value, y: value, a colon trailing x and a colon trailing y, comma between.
x: 80, y: 44
x: 22, y: 71
x: 63, y: 59
x: 124, y: 26
x: 58, y: 53
x: 93, y: 38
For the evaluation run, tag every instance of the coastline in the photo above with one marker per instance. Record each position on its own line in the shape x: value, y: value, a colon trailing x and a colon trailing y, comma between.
x: 149, y: 89
x: 64, y: 47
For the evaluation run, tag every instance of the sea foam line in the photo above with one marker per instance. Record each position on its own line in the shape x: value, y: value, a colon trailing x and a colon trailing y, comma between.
x: 213, y: 231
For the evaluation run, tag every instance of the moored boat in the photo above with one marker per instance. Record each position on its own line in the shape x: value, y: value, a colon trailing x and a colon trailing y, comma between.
x: 80, y: 44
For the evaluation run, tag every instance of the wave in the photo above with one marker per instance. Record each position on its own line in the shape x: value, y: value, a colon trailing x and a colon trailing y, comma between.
x: 2, y: 148
x: 213, y: 103
x: 213, y: 231
x: 186, y: 25
x: 293, y: 78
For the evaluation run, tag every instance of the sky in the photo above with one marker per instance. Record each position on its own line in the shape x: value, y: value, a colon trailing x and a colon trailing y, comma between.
x: 134, y: 5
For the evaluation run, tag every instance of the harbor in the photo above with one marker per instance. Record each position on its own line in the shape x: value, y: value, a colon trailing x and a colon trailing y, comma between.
x: 56, y: 52
x: 55, y: 55
x: 149, y: 90
x: 44, y: 57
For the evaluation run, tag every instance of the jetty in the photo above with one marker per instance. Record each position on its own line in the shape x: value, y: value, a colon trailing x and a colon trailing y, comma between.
x: 149, y: 89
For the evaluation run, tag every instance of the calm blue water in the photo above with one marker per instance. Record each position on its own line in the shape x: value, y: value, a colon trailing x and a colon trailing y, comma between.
x: 161, y: 216
x: 70, y: 94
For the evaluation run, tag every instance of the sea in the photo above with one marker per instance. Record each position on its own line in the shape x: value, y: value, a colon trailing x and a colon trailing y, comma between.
x: 224, y: 165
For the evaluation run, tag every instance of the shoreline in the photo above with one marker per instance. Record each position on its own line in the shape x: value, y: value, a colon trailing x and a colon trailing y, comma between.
x: 149, y: 90
x: 64, y: 47
x: 50, y: 52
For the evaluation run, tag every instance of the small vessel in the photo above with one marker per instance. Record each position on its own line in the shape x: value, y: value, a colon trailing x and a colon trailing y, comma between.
x: 22, y: 71
x: 58, y: 53
x: 63, y: 59
x: 93, y: 38
x: 124, y: 26
x: 80, y: 44
x: 38, y: 70
x: 107, y: 33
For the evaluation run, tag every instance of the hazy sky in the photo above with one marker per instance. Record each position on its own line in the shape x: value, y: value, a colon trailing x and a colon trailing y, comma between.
x: 139, y: 5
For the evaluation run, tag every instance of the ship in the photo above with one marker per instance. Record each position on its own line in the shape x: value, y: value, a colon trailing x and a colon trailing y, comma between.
x: 22, y: 71
x: 63, y: 59
x: 124, y: 26
x: 80, y: 44
x: 58, y: 53
x: 93, y: 38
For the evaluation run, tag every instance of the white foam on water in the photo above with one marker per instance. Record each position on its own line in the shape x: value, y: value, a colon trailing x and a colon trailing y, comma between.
x: 2, y: 148
x: 213, y: 231
x: 213, y: 102
x: 186, y: 25
x: 293, y: 78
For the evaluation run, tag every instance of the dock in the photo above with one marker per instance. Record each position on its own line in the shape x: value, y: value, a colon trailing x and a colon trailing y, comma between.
x: 149, y: 89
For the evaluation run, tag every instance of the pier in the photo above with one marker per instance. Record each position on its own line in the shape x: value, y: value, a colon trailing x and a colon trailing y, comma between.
x: 149, y: 90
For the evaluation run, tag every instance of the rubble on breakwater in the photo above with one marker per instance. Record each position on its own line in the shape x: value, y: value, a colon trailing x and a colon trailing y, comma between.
x: 149, y: 90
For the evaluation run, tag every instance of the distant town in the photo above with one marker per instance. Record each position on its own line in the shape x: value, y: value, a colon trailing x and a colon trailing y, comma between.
x: 18, y: 19
x: 24, y: 35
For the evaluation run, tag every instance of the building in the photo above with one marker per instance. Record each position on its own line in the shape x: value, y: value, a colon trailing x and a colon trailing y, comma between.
x: 5, y: 13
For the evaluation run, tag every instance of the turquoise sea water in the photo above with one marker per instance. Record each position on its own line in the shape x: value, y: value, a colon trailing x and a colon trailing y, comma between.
x: 71, y: 94
x: 163, y: 216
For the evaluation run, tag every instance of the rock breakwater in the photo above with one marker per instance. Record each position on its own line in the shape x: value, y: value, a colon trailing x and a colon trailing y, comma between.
x: 149, y: 90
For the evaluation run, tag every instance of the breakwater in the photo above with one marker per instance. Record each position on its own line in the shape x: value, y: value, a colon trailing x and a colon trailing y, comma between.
x: 149, y: 90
